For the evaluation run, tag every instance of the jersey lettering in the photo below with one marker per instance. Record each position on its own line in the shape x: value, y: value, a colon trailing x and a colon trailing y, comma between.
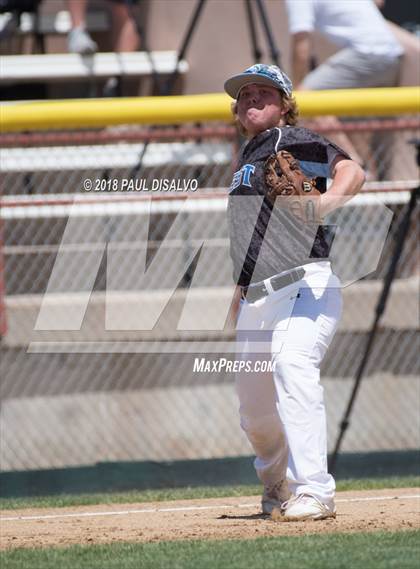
x: 248, y: 170
x: 243, y: 176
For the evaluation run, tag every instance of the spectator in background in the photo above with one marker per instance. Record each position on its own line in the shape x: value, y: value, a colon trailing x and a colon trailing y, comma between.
x: 125, y: 36
x: 370, y: 55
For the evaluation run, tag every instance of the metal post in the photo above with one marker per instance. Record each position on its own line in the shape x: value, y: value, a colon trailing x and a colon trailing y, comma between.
x: 274, y: 52
x: 257, y: 53
x: 380, y: 309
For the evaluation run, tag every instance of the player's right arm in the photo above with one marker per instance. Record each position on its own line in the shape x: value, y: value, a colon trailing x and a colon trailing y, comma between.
x: 301, y: 56
x: 301, y: 16
x: 347, y: 180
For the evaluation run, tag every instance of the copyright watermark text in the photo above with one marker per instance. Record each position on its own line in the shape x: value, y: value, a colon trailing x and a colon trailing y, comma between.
x: 140, y: 185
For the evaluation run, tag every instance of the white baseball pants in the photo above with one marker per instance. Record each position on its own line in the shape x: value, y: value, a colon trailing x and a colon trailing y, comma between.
x: 282, y: 411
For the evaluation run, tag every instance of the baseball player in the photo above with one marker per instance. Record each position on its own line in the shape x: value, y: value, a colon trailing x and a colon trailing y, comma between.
x: 291, y: 300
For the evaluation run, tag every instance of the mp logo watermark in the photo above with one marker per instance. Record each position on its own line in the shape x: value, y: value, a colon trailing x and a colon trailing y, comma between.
x: 169, y: 287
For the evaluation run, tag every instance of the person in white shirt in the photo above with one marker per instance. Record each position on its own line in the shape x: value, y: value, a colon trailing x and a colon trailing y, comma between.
x: 370, y: 54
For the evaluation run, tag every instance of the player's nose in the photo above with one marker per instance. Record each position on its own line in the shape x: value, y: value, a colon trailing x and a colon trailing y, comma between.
x: 254, y: 97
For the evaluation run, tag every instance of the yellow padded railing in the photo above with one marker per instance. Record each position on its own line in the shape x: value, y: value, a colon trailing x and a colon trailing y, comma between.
x: 91, y: 113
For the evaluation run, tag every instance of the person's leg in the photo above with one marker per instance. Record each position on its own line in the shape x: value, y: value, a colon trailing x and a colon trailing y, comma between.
x: 258, y: 413
x: 79, y: 40
x: 330, y: 75
x: 77, y: 9
x: 298, y: 353
x: 348, y: 69
x: 261, y: 423
x: 382, y: 142
x: 124, y: 29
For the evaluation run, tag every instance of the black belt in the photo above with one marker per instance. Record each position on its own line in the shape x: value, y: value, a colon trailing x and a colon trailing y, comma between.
x: 258, y: 290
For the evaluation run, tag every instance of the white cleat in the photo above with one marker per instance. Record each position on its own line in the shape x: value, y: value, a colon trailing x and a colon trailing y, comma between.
x: 79, y: 41
x: 306, y: 507
x: 274, y: 496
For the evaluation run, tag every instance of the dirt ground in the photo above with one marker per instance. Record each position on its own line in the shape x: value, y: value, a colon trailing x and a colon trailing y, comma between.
x: 217, y: 518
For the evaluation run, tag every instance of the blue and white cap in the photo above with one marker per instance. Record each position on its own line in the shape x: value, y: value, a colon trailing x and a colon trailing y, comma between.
x: 259, y: 73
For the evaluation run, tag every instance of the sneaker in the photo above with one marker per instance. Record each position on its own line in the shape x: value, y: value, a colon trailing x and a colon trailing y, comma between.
x: 112, y: 87
x: 79, y: 41
x: 9, y: 24
x: 307, y: 507
x: 274, y: 496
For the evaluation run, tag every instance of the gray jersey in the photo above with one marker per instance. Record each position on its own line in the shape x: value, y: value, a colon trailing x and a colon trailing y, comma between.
x: 264, y: 239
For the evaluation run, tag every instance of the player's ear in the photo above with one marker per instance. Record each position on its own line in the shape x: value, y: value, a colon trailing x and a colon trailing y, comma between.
x: 239, y: 125
x: 285, y: 107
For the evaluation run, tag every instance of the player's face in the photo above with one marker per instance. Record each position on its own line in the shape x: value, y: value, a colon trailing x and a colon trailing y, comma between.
x: 259, y: 108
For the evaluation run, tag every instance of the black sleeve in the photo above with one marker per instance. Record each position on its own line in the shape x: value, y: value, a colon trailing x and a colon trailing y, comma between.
x: 333, y: 150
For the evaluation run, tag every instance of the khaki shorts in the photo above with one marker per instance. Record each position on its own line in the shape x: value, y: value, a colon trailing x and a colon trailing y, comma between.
x: 350, y: 69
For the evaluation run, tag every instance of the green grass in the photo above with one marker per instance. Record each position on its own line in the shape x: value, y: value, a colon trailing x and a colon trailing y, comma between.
x: 382, y: 550
x: 378, y: 483
x: 198, y: 492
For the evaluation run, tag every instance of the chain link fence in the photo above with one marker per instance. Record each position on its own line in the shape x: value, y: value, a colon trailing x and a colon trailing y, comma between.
x: 102, y: 389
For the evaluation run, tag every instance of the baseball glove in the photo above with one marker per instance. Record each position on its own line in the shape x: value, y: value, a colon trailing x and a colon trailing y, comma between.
x: 285, y: 179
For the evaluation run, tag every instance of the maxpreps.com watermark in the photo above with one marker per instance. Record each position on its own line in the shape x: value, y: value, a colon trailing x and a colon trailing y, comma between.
x: 205, y: 365
x: 140, y: 185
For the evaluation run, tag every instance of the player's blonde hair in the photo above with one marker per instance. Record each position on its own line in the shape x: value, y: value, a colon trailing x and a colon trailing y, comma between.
x: 291, y: 116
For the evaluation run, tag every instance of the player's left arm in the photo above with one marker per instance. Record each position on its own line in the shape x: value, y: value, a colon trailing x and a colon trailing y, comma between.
x: 348, y: 178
